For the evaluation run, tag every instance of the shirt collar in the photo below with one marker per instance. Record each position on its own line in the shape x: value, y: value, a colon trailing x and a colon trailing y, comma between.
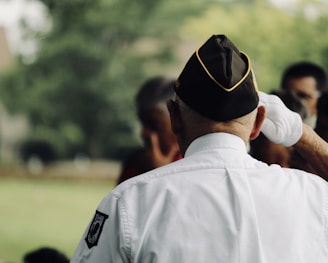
x: 216, y: 140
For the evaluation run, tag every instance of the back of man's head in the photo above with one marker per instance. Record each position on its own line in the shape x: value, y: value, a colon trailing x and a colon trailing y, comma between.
x: 155, y: 91
x: 304, y: 69
x: 45, y: 255
x: 217, y: 81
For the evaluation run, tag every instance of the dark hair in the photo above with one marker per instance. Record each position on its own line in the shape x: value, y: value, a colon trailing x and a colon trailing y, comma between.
x: 45, y: 255
x: 321, y: 126
x: 155, y: 90
x: 304, y: 69
x: 322, y: 104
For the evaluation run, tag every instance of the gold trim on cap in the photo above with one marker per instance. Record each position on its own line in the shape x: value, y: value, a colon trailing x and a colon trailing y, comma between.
x: 254, y: 81
x: 249, y: 69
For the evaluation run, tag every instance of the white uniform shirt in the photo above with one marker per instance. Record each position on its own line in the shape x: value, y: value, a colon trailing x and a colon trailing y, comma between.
x: 218, y: 204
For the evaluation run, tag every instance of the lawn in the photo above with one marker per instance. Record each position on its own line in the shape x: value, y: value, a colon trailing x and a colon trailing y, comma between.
x: 45, y: 212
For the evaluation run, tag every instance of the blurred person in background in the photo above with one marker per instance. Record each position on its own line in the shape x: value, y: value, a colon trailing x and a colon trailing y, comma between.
x: 159, y: 142
x: 306, y: 81
x: 45, y: 255
x: 301, y: 86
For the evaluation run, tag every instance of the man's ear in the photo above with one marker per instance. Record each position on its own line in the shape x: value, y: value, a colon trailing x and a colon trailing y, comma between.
x: 175, y: 115
x: 260, y: 117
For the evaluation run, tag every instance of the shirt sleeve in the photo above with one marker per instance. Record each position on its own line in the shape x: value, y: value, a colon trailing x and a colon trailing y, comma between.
x: 106, y: 238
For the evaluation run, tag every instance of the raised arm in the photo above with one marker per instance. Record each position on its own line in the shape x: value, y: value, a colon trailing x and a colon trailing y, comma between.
x: 315, y: 150
x: 283, y: 126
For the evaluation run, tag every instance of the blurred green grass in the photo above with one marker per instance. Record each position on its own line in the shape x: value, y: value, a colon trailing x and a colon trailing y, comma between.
x: 37, y: 212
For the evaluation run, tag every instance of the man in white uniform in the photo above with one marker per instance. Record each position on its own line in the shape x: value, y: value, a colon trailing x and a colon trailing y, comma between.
x: 218, y: 204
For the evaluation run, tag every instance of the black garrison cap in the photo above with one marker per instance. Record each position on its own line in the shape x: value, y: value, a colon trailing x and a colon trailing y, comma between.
x: 218, y: 82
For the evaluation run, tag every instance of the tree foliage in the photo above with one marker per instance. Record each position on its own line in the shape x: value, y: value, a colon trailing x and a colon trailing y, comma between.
x: 79, y: 91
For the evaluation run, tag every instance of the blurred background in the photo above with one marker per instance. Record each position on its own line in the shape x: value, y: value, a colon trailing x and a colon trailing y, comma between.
x: 69, y: 71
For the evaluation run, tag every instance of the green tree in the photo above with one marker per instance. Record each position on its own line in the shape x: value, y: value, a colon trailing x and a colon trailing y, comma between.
x: 79, y: 91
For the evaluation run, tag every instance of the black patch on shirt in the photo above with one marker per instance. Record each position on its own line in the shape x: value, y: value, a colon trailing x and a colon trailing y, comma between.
x: 95, y: 229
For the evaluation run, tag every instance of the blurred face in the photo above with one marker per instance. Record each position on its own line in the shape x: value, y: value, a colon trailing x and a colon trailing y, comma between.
x: 155, y: 120
x: 305, y: 89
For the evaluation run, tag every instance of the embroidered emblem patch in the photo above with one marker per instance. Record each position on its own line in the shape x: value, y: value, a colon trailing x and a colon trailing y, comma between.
x: 95, y: 229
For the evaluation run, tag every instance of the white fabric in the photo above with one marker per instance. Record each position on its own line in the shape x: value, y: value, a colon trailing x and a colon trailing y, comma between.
x: 281, y: 125
x: 217, y: 204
